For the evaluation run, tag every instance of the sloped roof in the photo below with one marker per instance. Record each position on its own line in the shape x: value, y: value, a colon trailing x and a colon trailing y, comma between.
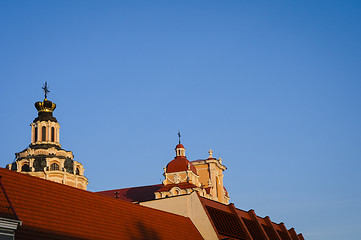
x: 180, y: 185
x: 233, y: 223
x: 50, y: 210
x: 6, y: 207
x: 134, y: 194
x: 179, y: 146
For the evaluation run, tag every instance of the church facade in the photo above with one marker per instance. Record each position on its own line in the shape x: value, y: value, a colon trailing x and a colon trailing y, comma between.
x: 190, y: 203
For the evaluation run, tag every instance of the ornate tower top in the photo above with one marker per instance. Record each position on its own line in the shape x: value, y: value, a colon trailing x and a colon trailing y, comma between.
x: 179, y: 149
x: 45, y: 158
x: 210, y: 152
x: 45, y: 108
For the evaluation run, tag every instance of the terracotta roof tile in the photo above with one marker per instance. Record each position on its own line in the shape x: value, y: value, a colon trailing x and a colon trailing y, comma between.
x: 228, y: 222
x: 180, y: 185
x: 283, y: 235
x: 253, y: 229
x: 179, y: 146
x: 270, y: 233
x: 55, y: 211
x: 179, y: 164
x: 134, y: 194
x: 6, y: 208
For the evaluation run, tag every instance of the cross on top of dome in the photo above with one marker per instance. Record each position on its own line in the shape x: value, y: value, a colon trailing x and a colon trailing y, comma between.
x: 46, y: 90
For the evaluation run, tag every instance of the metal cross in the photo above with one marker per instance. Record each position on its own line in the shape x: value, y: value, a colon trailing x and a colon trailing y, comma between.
x: 45, y: 88
x: 179, y: 136
x: 116, y: 194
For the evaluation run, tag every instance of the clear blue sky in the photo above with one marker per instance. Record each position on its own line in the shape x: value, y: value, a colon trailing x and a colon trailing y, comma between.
x: 273, y: 87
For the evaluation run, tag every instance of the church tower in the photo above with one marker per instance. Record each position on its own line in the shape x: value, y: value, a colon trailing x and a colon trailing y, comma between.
x: 202, y: 176
x: 44, y: 157
x: 210, y: 172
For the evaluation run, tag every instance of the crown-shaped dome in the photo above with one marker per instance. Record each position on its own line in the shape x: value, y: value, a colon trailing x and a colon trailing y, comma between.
x: 45, y: 111
x: 45, y: 106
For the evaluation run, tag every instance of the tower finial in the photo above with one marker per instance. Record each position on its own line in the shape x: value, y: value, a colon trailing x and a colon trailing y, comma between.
x: 45, y: 88
x: 179, y: 136
x: 210, y: 152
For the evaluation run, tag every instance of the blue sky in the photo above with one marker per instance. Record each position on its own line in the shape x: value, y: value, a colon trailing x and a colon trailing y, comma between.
x: 272, y: 87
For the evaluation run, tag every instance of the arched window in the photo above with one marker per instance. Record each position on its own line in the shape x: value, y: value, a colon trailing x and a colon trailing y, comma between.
x: 54, y: 166
x: 43, y: 134
x: 77, y: 172
x: 176, y: 192
x: 36, y: 134
x: 52, y: 134
x: 25, y: 168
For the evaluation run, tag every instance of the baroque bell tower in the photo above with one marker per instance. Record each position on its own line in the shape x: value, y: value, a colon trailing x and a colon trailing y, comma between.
x: 44, y: 157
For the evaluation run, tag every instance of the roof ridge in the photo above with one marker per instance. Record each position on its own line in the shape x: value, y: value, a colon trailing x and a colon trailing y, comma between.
x: 115, y: 189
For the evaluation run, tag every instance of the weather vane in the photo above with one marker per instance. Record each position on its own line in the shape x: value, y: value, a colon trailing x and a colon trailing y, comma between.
x: 179, y: 136
x: 45, y: 88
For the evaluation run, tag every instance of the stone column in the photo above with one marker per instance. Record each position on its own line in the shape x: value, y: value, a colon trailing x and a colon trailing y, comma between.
x: 57, y: 134
x: 39, y: 133
x: 48, y: 131
x: 31, y: 160
x: 32, y: 133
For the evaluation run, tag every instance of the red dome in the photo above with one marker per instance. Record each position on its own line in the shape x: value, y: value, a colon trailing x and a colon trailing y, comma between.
x: 180, y: 164
x: 179, y: 146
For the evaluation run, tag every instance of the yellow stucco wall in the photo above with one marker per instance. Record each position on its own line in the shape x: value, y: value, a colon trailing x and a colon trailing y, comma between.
x: 187, y: 206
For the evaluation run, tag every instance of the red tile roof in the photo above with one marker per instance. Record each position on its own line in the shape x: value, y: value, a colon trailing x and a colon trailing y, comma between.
x: 134, y: 194
x: 50, y: 210
x: 233, y: 223
x: 179, y: 164
x: 180, y: 185
x: 226, y: 223
x: 6, y: 207
x: 179, y: 146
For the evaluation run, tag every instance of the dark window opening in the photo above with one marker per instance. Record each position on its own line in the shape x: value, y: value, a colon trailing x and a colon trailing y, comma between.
x: 52, y: 134
x: 43, y: 134
x: 36, y: 134
x: 25, y: 168
x: 6, y: 236
x: 54, y: 166
x: 14, y: 166
x: 77, y: 171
